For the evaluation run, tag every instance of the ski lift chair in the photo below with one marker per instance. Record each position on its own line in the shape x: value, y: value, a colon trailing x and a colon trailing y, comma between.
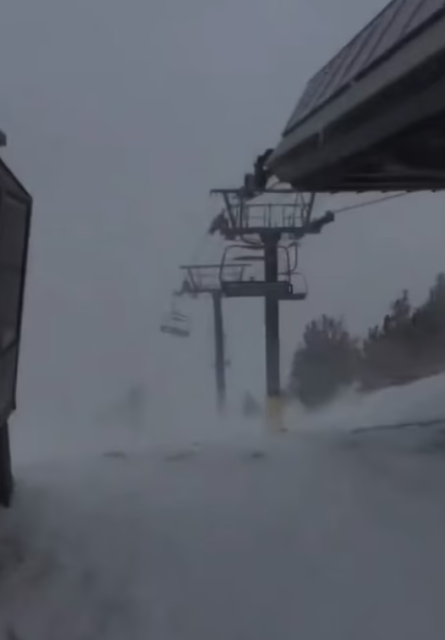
x: 176, y: 324
x: 249, y: 286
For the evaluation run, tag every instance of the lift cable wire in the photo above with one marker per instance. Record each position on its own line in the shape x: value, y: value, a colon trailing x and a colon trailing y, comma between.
x: 361, y: 205
x: 368, y: 203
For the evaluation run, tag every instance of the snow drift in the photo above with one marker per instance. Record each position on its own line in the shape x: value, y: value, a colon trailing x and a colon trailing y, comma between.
x: 248, y: 536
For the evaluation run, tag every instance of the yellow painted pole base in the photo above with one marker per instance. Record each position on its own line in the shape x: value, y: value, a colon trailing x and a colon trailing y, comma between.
x: 275, y: 415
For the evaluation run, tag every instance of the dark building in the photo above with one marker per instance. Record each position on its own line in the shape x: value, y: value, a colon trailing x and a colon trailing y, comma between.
x: 15, y: 217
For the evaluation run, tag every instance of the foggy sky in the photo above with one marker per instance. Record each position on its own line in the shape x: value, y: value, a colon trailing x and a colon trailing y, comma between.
x: 120, y: 117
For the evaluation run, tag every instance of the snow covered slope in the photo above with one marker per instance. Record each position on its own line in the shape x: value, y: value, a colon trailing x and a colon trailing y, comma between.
x: 318, y: 534
x: 422, y: 400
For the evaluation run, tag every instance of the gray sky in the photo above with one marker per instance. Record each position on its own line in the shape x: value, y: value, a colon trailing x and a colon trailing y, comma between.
x: 120, y: 117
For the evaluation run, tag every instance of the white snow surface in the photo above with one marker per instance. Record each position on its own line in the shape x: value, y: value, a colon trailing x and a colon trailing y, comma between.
x: 317, y: 533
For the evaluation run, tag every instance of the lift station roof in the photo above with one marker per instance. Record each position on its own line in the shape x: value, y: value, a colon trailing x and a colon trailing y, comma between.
x: 373, y: 117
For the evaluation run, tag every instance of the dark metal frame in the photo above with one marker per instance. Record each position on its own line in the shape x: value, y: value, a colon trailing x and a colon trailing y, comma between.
x: 292, y: 219
x: 11, y: 186
x: 194, y: 284
x: 19, y: 193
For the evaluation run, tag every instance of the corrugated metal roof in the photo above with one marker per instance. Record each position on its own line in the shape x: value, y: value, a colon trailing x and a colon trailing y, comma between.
x: 396, y: 22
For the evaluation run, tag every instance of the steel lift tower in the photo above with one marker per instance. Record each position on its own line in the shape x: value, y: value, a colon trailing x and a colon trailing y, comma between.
x: 267, y: 232
x: 203, y: 279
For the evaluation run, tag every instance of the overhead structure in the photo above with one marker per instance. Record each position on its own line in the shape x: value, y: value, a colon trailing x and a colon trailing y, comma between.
x: 373, y: 118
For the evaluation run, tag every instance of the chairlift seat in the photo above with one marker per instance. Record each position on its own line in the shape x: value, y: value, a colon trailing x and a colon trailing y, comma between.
x: 176, y: 316
x: 182, y: 332
x: 300, y: 295
x: 256, y: 289
x: 176, y: 324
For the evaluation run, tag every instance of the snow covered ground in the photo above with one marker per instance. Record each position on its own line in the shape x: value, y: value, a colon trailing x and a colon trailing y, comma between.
x: 317, y: 533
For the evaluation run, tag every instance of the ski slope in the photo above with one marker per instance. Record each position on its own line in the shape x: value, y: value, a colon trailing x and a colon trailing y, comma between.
x: 317, y: 533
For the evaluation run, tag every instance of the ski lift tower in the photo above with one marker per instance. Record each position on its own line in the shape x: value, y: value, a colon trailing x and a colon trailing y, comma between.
x: 256, y: 217
x: 203, y: 279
